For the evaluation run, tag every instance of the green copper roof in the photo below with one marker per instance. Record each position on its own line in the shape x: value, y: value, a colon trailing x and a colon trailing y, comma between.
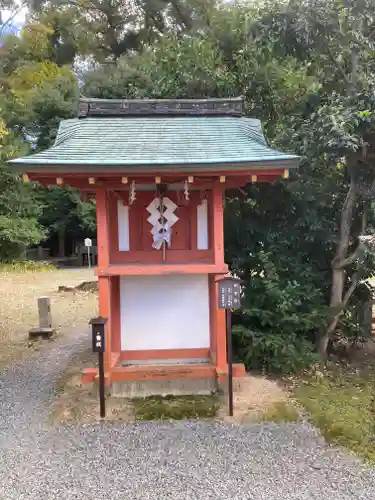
x: 159, y: 143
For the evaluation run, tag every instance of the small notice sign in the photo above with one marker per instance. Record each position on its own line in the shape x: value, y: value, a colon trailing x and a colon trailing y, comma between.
x: 88, y: 242
x: 229, y: 293
x: 98, y: 340
x: 98, y: 334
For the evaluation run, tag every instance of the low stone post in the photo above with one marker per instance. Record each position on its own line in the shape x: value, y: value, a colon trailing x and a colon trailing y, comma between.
x: 44, y: 329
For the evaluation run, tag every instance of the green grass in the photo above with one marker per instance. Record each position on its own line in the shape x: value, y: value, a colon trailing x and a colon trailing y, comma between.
x: 280, y: 413
x: 26, y: 266
x: 341, y: 404
x: 175, y: 407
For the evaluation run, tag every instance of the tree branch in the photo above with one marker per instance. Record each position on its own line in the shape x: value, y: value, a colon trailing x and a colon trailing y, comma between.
x: 345, y: 223
x: 9, y: 21
x: 349, y: 260
x: 243, y: 192
x: 357, y: 252
x: 338, y: 66
x: 350, y: 290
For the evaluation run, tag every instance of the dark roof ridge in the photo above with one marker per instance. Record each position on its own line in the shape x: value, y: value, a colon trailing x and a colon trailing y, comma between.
x: 230, y: 106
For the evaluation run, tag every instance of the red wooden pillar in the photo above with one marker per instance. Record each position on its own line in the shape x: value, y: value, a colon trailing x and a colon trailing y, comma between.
x: 221, y: 339
x: 218, y: 224
x: 213, y: 318
x: 218, y: 249
x: 115, y: 319
x: 103, y: 262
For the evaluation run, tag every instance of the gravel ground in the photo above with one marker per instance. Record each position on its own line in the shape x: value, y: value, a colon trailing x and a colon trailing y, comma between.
x: 19, y: 312
x: 185, y: 460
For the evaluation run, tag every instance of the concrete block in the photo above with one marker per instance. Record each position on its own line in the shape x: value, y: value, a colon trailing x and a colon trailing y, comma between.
x: 183, y: 387
x: 223, y: 384
x: 37, y: 332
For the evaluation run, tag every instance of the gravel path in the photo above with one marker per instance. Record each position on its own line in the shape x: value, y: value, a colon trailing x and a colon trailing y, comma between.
x: 186, y: 460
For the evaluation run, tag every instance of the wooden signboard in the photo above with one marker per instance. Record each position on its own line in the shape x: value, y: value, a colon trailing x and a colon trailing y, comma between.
x: 229, y: 298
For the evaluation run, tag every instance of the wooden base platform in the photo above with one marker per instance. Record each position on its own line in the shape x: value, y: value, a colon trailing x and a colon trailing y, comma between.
x: 155, y: 375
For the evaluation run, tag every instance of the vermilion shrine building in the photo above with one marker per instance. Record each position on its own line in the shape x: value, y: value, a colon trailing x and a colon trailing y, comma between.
x: 159, y: 170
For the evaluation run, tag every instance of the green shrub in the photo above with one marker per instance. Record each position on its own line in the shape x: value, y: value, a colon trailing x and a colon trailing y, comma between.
x: 273, y: 352
x: 25, y: 266
x: 16, y: 234
x: 275, y: 330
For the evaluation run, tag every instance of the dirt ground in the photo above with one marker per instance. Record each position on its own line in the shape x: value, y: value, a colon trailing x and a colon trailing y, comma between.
x: 18, y: 307
x: 79, y: 402
x: 254, y: 397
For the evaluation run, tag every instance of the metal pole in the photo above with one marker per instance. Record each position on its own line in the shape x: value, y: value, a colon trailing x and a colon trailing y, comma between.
x: 89, y: 256
x: 101, y: 385
x: 230, y: 361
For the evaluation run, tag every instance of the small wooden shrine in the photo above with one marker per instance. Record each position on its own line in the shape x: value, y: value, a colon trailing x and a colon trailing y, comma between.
x: 158, y: 170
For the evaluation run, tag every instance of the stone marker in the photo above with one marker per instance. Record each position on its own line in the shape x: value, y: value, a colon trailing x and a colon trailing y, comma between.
x: 44, y: 329
x: 44, y: 310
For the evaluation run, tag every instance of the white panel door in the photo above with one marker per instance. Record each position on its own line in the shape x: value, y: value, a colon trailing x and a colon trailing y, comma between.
x: 164, y: 312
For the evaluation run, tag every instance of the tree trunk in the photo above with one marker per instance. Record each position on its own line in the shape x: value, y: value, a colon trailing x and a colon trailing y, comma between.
x: 61, y: 242
x: 339, y: 299
x: 322, y: 345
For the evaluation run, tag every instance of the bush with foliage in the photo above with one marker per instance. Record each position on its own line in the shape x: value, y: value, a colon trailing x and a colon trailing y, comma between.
x: 275, y: 330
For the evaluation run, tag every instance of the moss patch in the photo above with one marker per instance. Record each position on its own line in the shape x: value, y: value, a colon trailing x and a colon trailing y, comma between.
x: 280, y: 413
x: 175, y: 407
x: 341, y: 404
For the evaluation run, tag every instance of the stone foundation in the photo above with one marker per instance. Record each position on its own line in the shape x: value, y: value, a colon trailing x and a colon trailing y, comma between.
x: 183, y: 387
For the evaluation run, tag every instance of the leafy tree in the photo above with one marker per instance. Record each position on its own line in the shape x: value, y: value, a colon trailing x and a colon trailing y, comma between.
x: 63, y: 36
x: 178, y: 67
x: 64, y: 214
x: 38, y: 94
x: 106, y: 30
x: 19, y: 227
x: 338, y: 41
